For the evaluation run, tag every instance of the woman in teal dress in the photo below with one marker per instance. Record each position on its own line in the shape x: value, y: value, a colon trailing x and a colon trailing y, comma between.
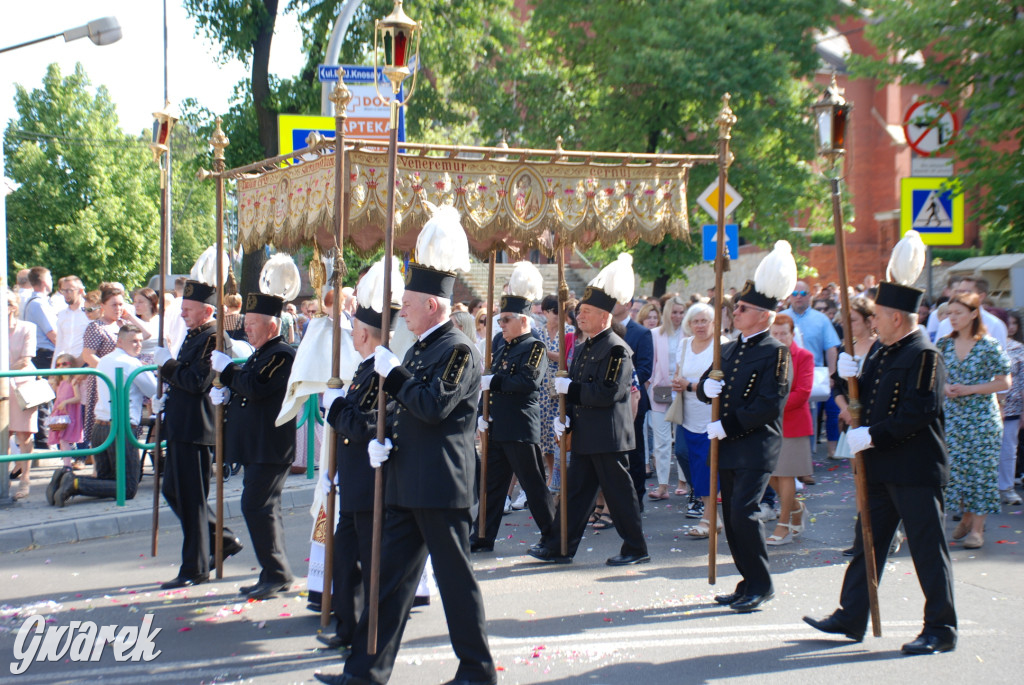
x: 977, y: 369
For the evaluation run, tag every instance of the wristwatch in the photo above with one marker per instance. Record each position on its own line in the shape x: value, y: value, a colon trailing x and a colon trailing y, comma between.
x: 689, y: 387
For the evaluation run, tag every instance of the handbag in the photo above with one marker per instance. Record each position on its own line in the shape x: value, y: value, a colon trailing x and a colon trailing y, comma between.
x: 843, y: 448
x: 57, y: 421
x: 33, y: 393
x: 674, y: 413
x: 662, y: 394
x: 821, y: 389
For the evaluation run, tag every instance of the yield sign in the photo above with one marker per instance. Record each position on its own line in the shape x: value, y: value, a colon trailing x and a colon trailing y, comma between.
x: 709, y: 200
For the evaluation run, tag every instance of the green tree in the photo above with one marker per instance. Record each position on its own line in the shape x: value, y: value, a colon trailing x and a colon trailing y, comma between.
x: 88, y: 202
x: 971, y: 50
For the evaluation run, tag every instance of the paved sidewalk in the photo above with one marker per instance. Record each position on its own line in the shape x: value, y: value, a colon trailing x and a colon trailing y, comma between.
x: 31, y: 522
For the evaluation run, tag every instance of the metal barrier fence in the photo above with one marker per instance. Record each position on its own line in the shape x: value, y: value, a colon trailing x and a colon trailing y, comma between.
x: 120, y: 423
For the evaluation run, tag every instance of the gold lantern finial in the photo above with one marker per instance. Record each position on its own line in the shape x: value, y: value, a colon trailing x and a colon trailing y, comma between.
x: 219, y: 141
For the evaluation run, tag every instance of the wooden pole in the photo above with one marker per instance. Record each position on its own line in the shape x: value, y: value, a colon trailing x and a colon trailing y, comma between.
x: 340, y: 96
x: 859, y: 476
x: 158, y: 452
x: 563, y: 372
x: 485, y: 400
x: 378, y: 481
x: 219, y: 142
x: 726, y: 120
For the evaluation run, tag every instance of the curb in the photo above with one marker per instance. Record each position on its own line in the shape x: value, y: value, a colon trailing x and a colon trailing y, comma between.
x: 108, y: 525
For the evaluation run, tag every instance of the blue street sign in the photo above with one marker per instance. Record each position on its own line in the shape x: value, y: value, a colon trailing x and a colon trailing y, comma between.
x: 732, y: 241
x: 352, y: 73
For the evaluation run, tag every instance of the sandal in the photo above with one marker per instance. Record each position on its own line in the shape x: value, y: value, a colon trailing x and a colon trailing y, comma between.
x: 797, y: 528
x: 22, y: 492
x: 595, y: 515
x: 604, y: 522
x: 702, y: 530
x: 774, y: 540
x: 654, y: 496
x: 961, y: 530
x: 680, y: 492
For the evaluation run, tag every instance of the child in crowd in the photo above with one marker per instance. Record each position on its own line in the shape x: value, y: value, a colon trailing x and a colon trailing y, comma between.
x: 65, y: 422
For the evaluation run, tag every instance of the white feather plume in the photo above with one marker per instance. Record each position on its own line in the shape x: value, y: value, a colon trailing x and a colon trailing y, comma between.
x: 370, y: 292
x: 442, y: 244
x: 526, y: 281
x: 205, y: 268
x: 616, y: 279
x: 907, y: 260
x: 776, y: 274
x: 280, y: 276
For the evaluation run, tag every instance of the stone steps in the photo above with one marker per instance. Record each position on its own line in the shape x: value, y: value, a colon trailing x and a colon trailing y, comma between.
x: 474, y: 284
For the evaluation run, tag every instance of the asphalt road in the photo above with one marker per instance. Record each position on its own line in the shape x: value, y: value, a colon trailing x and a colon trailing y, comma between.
x: 584, y: 623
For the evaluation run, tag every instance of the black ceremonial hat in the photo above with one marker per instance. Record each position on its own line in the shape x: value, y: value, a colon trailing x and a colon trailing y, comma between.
x: 750, y: 295
x: 199, y: 292
x: 596, y: 297
x: 902, y: 297
x: 423, y: 279
x: 258, y: 303
x: 374, y: 319
x: 514, y: 304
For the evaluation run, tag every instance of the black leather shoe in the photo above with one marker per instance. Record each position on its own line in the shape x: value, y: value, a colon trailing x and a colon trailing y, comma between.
x: 849, y: 552
x: 65, y: 491
x: 628, y: 559
x: 548, y: 556
x: 729, y: 598
x: 463, y: 681
x: 181, y: 581
x: 54, y: 484
x: 929, y: 644
x: 481, y: 546
x: 833, y: 626
x: 334, y: 641
x: 340, y: 679
x: 267, y: 590
x: 748, y: 603
x: 246, y: 589
x: 421, y: 601
x: 231, y: 548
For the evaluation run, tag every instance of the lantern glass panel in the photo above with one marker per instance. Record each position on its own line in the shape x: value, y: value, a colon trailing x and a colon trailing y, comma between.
x: 824, y: 120
x: 839, y: 126
x: 401, y: 41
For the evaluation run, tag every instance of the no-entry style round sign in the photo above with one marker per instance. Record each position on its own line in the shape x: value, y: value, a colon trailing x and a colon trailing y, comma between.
x: 930, y: 127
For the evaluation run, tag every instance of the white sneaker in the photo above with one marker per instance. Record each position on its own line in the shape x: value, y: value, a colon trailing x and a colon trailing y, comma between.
x: 508, y: 505
x: 1009, y: 497
x: 766, y: 513
x: 520, y: 502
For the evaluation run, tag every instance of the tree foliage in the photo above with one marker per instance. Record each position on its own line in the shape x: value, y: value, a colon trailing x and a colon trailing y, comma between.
x: 88, y: 203
x: 972, y: 51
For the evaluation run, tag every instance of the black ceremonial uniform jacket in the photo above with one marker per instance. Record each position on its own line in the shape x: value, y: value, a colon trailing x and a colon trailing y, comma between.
x: 518, y: 368
x: 258, y: 389
x: 354, y: 419
x: 433, y: 462
x: 597, y: 404
x: 901, y: 389
x: 758, y: 375
x: 188, y: 412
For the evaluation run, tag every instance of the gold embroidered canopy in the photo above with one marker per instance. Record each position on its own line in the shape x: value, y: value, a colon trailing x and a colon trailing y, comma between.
x: 512, y: 199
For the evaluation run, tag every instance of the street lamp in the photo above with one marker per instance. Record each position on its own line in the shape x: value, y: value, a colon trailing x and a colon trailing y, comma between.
x: 396, y: 31
x: 831, y: 114
x: 101, y: 32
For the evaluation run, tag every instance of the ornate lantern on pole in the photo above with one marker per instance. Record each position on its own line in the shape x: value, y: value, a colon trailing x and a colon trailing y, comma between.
x: 396, y: 32
x: 831, y: 119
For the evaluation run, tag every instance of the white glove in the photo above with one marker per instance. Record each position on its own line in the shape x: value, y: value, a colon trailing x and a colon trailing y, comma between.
x: 847, y: 366
x: 220, y: 395
x: 325, y: 484
x: 713, y: 388
x: 562, y: 385
x: 481, y: 424
x: 859, y: 439
x: 384, y: 361
x: 559, y: 427
x: 378, y: 452
x: 485, y: 381
x: 161, y: 356
x: 157, y: 403
x: 331, y: 394
x: 219, y: 361
x: 715, y: 430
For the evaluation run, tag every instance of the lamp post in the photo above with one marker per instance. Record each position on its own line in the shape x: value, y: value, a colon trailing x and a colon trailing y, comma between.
x: 397, y: 32
x: 101, y: 32
x: 831, y: 119
x: 163, y: 124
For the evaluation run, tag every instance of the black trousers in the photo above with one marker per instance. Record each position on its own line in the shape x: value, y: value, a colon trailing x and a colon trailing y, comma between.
x: 742, y: 490
x: 526, y: 462
x: 261, y: 507
x: 186, y: 486
x: 43, y: 360
x: 105, y: 483
x: 409, y: 535
x: 607, y: 472
x: 353, y: 540
x: 638, y: 455
x: 920, y: 507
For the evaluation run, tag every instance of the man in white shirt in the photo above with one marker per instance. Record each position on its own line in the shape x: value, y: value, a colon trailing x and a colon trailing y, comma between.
x: 72, y: 321
x: 125, y: 357
x: 979, y: 286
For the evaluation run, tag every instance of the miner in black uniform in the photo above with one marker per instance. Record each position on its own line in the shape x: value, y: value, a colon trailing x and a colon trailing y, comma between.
x: 190, y: 434
x: 430, y: 485
x: 599, y: 415
x: 253, y: 393
x: 513, y: 444
x: 353, y: 415
x: 758, y: 375
x: 903, y: 446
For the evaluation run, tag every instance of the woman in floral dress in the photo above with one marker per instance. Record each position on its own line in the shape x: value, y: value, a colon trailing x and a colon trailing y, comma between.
x: 977, y: 369
x: 99, y: 340
x: 548, y: 398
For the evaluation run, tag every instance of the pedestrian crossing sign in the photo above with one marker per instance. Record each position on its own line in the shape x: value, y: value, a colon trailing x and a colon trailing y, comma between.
x: 934, y: 207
